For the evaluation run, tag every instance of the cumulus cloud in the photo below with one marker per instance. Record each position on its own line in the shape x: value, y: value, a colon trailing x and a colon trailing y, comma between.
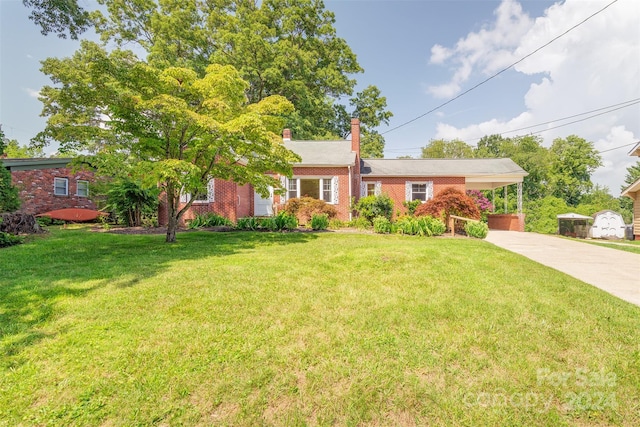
x: 595, y: 65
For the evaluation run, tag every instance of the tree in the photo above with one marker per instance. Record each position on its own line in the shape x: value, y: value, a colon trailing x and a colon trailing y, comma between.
x: 281, y: 47
x: 9, y: 198
x: 573, y: 160
x: 14, y: 150
x: 633, y: 174
x: 59, y: 17
x: 181, y: 128
x: 443, y: 149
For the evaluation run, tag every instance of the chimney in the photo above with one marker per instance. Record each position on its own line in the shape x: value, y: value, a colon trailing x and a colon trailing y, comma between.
x: 355, y: 136
x: 286, y: 135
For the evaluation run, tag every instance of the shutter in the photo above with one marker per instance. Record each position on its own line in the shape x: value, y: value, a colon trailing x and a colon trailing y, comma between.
x: 285, y: 185
x: 363, y: 189
x: 184, y: 197
x: 429, y: 190
x: 334, y: 187
x: 407, y: 191
x: 211, y: 191
x: 378, y: 190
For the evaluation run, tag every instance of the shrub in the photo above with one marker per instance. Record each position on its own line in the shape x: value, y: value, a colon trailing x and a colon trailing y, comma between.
x: 282, y: 221
x: 370, y: 207
x: 335, y: 224
x: 320, y: 222
x: 420, y: 226
x: 484, y: 205
x: 247, y: 223
x: 360, y: 223
x: 209, y: 219
x: 436, y: 225
x: 450, y: 201
x: 411, y: 206
x: 304, y: 208
x: 476, y: 229
x: 130, y: 202
x: 381, y: 225
x: 7, y: 239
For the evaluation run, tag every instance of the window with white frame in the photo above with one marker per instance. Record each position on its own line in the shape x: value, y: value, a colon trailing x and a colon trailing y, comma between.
x: 318, y: 188
x: 61, y: 186
x: 422, y: 191
x: 82, y: 188
x: 371, y: 188
x: 207, y: 196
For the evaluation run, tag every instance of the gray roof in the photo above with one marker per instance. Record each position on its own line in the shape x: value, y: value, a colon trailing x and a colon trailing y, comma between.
x: 441, y: 167
x: 323, y: 153
x: 36, y: 163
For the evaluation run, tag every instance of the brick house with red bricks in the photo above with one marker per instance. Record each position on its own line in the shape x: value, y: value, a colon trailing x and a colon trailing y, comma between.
x: 334, y: 172
x: 47, y: 184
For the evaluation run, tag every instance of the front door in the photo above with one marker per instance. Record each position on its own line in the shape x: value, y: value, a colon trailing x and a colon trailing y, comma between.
x: 262, y: 206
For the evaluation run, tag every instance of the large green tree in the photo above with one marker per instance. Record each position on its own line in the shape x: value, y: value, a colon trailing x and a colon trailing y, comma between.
x: 14, y: 150
x: 182, y: 127
x: 281, y: 47
x: 62, y: 17
x: 445, y: 149
x: 573, y: 161
x: 9, y: 198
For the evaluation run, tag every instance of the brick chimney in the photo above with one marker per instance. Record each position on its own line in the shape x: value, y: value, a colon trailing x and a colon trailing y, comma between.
x: 286, y: 135
x: 355, y: 137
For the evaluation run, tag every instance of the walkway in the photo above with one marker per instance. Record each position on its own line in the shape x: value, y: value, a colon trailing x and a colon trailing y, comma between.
x: 612, y: 270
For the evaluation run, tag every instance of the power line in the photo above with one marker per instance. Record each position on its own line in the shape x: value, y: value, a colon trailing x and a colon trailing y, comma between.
x: 617, y: 148
x: 609, y: 109
x: 499, y: 72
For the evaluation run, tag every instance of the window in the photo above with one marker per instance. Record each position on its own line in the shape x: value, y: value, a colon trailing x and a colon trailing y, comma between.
x: 419, y: 192
x: 318, y: 188
x: 60, y: 186
x: 371, y: 188
x: 82, y: 188
x: 207, y: 196
x: 292, y: 189
x: 422, y: 191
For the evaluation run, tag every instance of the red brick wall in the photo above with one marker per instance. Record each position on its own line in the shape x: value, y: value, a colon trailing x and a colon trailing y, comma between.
x: 394, y: 187
x: 36, y: 190
x: 509, y: 222
x: 245, y: 201
x: 343, y: 185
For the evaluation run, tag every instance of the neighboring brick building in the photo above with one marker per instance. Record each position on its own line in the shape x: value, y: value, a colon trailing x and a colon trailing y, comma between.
x: 47, y: 184
x: 334, y: 172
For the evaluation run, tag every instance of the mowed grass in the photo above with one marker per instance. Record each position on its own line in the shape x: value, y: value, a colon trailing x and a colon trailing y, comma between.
x: 245, y: 329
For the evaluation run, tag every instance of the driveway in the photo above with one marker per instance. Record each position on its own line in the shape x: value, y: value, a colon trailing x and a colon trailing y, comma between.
x: 612, y: 270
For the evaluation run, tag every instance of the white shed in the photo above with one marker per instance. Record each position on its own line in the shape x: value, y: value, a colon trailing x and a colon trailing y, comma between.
x: 607, y: 225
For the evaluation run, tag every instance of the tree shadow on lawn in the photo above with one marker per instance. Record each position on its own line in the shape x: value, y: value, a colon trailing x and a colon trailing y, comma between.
x: 72, y: 263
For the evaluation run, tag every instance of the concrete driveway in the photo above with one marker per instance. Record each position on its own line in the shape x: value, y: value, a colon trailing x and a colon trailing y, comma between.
x: 611, y: 270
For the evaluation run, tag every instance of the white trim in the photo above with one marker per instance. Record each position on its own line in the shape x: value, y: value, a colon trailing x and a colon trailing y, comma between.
x: 408, y: 190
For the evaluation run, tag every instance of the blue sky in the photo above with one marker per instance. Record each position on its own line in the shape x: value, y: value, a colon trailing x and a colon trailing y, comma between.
x: 421, y: 53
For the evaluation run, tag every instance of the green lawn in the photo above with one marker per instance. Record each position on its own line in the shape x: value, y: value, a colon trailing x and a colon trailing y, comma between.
x: 632, y: 246
x: 306, y: 329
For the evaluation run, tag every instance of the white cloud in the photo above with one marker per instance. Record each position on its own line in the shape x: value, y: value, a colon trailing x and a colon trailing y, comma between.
x: 595, y: 65
x: 32, y: 92
x: 488, y: 50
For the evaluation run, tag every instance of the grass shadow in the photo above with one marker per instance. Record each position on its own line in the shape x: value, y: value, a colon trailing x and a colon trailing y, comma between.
x: 73, y: 263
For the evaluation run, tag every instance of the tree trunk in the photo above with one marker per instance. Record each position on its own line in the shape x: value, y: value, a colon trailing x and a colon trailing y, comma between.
x: 172, y: 226
x: 172, y: 214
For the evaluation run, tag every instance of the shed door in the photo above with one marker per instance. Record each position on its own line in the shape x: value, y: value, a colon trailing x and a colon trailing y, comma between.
x: 262, y: 206
x: 612, y: 225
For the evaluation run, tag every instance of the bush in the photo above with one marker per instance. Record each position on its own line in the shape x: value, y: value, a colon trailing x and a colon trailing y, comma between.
x: 484, y: 205
x: 450, y: 201
x: 320, y: 222
x: 335, y: 224
x: 247, y: 224
x: 360, y: 223
x: 304, y: 208
x: 381, y: 225
x: 7, y: 239
x: 130, y: 202
x: 420, y: 226
x: 282, y: 221
x: 370, y: 207
x: 411, y: 206
x: 209, y: 219
x: 478, y: 230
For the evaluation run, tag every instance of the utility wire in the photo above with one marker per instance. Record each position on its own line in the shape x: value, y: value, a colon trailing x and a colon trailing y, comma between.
x: 499, y: 72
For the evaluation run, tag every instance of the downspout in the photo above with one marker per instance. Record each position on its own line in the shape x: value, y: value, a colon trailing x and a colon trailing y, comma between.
x: 350, y: 192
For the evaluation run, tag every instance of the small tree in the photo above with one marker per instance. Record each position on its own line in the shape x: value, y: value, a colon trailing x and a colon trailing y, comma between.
x: 130, y: 201
x: 370, y: 207
x: 449, y: 201
x: 9, y: 198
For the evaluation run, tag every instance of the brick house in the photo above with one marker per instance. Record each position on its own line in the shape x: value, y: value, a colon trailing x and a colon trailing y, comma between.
x: 47, y: 184
x: 334, y: 172
x: 633, y: 192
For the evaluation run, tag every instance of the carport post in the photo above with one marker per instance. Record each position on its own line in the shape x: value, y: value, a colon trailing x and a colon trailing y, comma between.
x: 519, y: 197
x: 493, y: 199
x: 506, y: 207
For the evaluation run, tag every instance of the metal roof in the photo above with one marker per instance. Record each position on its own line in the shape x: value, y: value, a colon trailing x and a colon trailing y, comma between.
x: 572, y: 215
x: 36, y: 163
x: 441, y: 167
x: 322, y: 153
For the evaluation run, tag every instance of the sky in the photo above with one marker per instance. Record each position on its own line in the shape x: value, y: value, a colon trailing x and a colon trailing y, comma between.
x: 423, y: 53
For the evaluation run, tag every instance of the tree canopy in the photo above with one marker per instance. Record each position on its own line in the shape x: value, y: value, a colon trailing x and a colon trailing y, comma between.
x: 62, y: 17
x: 181, y: 128
x: 9, y: 199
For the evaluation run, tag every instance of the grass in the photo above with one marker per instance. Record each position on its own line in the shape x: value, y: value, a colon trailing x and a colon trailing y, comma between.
x: 306, y: 329
x: 632, y: 246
